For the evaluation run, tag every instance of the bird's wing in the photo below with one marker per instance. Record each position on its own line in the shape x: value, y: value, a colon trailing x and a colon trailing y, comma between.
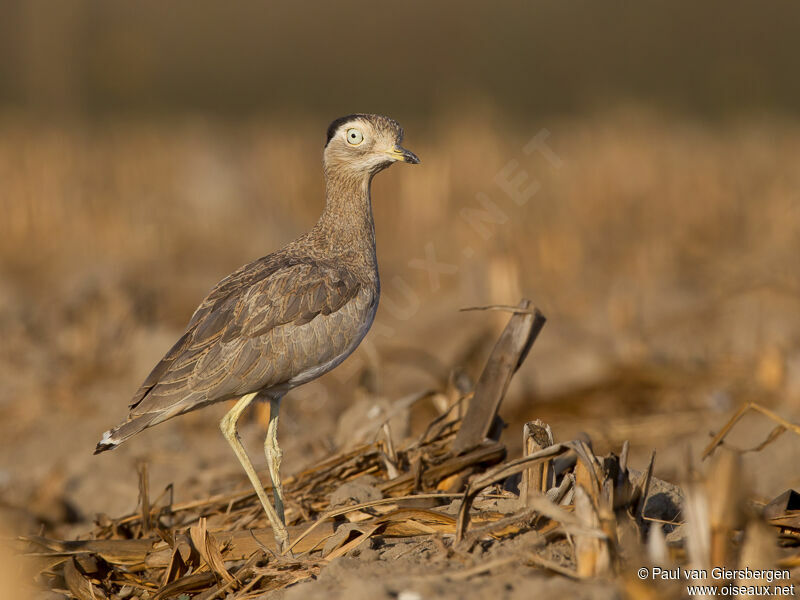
x: 220, y: 347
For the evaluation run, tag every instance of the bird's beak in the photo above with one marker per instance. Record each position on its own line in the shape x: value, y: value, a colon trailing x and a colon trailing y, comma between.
x: 400, y: 153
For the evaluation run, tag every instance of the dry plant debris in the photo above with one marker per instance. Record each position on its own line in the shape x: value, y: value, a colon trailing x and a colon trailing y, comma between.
x: 453, y: 486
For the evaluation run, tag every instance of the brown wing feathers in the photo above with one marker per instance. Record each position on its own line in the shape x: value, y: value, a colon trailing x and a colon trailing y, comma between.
x: 221, y: 352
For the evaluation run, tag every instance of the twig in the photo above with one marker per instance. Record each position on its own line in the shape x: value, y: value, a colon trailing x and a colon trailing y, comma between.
x: 144, y: 497
x: 353, y: 544
x: 717, y: 440
x: 502, y: 307
x: 544, y: 563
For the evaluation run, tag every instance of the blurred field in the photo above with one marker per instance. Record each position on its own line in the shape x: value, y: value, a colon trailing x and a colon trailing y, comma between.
x: 95, y: 58
x: 663, y: 251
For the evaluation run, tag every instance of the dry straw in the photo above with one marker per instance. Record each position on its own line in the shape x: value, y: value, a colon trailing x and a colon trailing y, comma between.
x: 597, y: 505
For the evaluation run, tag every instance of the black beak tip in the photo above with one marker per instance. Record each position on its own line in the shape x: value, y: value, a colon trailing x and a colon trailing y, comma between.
x: 410, y: 157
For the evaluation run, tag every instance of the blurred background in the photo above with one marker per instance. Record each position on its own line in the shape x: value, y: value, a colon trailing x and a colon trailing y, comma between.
x: 632, y: 168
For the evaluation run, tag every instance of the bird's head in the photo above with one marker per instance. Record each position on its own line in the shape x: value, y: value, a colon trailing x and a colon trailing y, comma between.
x: 365, y: 144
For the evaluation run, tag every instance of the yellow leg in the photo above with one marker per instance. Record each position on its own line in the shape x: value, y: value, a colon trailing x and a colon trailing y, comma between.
x: 274, y: 455
x: 228, y: 427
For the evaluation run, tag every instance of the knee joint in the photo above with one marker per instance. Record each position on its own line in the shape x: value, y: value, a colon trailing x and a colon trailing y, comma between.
x: 228, y: 427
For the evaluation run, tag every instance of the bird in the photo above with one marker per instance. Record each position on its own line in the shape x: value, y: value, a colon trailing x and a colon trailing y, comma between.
x: 283, y: 319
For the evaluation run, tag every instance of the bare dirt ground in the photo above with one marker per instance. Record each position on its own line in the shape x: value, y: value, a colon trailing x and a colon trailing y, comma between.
x: 662, y: 251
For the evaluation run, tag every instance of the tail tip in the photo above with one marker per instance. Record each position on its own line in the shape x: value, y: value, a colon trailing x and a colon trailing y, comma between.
x: 107, y: 443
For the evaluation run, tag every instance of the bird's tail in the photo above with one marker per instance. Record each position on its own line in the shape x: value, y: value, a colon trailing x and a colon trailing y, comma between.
x: 114, y: 437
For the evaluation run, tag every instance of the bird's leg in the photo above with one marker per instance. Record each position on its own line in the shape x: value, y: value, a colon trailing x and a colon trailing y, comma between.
x: 228, y: 427
x: 274, y: 455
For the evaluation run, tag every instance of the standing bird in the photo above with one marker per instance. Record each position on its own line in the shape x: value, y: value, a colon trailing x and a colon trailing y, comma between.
x: 286, y: 318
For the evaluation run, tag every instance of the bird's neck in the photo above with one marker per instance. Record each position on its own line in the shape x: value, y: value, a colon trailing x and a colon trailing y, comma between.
x: 346, y: 223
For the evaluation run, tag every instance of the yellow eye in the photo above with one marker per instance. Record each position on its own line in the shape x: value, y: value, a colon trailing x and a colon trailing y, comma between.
x: 354, y: 137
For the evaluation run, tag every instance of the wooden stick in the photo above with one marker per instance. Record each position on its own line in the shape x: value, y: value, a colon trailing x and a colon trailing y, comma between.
x: 508, y: 354
x: 536, y: 435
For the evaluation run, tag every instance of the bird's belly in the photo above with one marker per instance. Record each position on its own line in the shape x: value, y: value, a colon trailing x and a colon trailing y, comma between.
x: 311, y: 350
